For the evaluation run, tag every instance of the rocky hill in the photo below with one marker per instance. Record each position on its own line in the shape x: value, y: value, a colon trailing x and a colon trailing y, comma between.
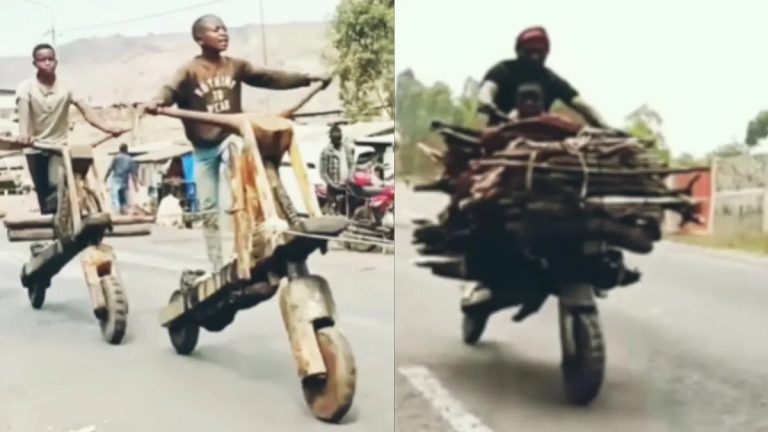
x: 113, y: 69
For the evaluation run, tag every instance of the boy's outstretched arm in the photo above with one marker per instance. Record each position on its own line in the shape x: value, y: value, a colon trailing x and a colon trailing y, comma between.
x: 166, y: 96
x: 22, y: 106
x: 278, y: 80
x: 96, y: 121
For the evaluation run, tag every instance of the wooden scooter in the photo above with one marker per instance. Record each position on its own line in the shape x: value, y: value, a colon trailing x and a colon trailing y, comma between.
x: 77, y: 226
x: 268, y: 258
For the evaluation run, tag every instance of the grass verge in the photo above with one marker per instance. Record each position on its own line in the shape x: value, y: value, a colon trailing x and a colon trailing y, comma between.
x: 755, y: 243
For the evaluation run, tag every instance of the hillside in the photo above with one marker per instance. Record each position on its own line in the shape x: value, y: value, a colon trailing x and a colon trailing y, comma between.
x: 117, y: 68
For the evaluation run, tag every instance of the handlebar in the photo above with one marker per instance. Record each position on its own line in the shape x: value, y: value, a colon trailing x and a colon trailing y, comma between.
x: 495, y: 114
x: 19, y: 144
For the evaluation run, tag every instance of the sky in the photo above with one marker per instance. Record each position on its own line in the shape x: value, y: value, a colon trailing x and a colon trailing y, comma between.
x: 28, y: 20
x: 701, y: 65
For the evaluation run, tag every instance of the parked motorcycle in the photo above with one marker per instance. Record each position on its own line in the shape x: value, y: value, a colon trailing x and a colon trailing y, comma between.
x: 368, y: 202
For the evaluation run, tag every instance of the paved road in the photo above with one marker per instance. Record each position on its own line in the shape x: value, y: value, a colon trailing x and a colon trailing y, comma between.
x: 57, y: 375
x: 686, y: 350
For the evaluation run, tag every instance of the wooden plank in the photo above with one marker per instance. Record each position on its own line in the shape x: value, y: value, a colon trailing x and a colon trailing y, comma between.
x: 16, y: 235
x: 97, y: 261
x: 46, y: 221
x: 302, y: 179
x: 71, y: 191
x: 240, y: 215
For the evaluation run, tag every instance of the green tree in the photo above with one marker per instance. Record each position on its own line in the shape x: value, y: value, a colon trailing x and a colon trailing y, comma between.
x: 757, y: 128
x: 646, y: 124
x: 417, y: 106
x: 729, y: 150
x: 685, y: 160
x: 362, y: 55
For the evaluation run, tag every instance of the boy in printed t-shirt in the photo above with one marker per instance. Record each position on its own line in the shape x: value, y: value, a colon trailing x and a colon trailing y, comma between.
x: 212, y: 82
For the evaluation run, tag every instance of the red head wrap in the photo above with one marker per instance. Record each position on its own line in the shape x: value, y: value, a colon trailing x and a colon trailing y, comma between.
x: 533, y: 35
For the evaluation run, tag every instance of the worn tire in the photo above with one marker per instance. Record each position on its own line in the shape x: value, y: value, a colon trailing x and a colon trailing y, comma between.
x: 583, y: 370
x: 361, y: 214
x: 184, y: 333
x: 115, y: 322
x: 35, y: 290
x: 472, y: 327
x: 36, y: 294
x: 330, y: 397
x: 220, y: 322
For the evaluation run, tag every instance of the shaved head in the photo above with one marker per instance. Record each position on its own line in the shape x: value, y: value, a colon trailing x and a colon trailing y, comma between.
x: 202, y: 22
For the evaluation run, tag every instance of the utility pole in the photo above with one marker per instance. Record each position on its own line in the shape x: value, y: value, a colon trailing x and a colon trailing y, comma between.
x: 263, y: 32
x: 264, y: 44
x: 53, y: 24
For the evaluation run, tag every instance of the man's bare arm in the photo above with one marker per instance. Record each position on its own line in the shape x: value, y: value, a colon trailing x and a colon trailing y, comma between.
x: 588, y: 112
x: 487, y: 93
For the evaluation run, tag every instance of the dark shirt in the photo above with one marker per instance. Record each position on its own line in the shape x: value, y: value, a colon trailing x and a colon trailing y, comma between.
x: 509, y: 75
x: 216, y: 87
x: 123, y: 167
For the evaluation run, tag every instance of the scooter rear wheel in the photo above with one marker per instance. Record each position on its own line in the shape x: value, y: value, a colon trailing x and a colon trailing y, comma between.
x: 184, y: 332
x: 36, y: 294
x: 330, y: 396
x: 473, y: 326
x: 36, y: 290
x: 583, y: 364
x: 361, y: 215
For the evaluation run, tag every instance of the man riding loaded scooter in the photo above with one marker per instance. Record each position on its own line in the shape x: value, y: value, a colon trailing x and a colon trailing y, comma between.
x: 514, y: 90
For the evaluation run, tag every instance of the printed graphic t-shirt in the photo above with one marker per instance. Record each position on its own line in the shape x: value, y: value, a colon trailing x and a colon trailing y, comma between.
x: 509, y: 75
x: 216, y: 87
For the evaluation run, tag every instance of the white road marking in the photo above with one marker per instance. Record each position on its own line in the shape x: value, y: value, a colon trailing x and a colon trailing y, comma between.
x: 91, y: 428
x: 450, y: 409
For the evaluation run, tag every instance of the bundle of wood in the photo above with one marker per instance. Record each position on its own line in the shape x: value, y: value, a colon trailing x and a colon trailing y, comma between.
x: 542, y: 189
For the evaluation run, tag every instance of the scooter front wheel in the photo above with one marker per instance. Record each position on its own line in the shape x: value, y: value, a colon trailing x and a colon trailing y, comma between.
x: 330, y: 396
x: 583, y: 364
x: 115, y: 320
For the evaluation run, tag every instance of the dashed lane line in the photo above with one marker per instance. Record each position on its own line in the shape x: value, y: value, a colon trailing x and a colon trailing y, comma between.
x: 448, y: 407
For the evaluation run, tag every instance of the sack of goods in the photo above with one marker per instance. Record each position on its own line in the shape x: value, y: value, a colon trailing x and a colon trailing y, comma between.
x: 539, y: 194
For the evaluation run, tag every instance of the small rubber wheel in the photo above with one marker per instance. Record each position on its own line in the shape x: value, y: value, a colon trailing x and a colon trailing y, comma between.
x: 222, y: 320
x: 184, y: 332
x: 583, y: 370
x: 472, y: 327
x: 115, y: 319
x: 36, y: 294
x: 361, y: 215
x: 330, y: 396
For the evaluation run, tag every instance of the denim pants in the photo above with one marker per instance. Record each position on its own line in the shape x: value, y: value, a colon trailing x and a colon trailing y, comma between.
x: 208, y: 162
x: 119, y: 194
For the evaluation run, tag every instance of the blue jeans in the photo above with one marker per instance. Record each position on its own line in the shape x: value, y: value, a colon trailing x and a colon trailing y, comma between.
x: 207, y: 165
x: 119, y: 194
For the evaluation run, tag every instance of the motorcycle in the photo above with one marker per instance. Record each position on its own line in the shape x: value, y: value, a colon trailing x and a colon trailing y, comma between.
x: 520, y: 236
x: 368, y: 203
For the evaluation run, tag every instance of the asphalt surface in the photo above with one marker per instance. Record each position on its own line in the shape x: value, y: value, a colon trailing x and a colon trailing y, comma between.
x: 685, y: 350
x: 56, y: 374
